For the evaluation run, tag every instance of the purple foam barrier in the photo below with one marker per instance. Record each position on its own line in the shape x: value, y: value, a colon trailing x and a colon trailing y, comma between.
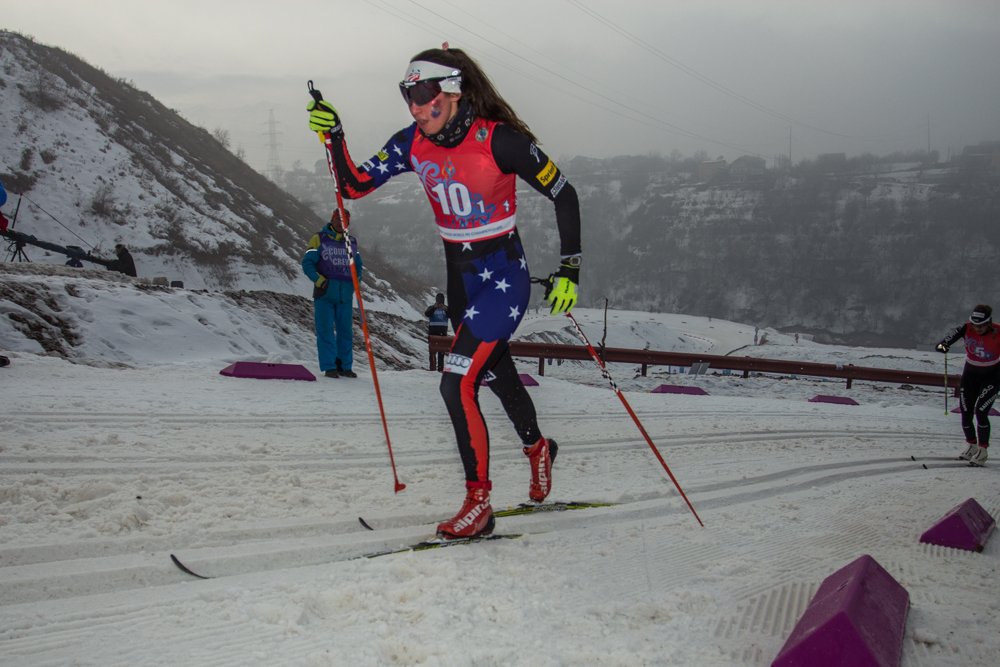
x: 676, y: 389
x: 842, y: 400
x: 967, y: 527
x: 258, y: 371
x: 526, y: 380
x: 856, y: 619
x: 993, y: 412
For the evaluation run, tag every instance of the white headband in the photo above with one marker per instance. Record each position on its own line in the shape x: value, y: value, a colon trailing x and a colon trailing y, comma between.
x: 423, y: 70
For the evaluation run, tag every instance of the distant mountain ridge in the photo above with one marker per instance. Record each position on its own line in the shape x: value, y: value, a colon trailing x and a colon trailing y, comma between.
x: 874, y: 251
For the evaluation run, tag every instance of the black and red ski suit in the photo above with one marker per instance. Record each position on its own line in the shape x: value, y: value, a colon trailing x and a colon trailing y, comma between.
x: 470, y: 180
x: 980, y: 379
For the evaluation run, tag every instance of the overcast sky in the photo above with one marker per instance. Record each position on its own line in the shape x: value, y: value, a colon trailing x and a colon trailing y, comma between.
x: 591, y: 77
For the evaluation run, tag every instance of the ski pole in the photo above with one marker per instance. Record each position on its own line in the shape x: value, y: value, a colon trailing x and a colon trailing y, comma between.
x: 649, y: 441
x: 328, y: 143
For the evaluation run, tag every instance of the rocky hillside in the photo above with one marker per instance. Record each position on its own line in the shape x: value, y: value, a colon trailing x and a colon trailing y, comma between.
x: 91, y: 316
x: 99, y: 162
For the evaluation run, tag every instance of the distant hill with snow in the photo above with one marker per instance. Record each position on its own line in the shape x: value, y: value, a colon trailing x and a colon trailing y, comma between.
x: 100, y: 162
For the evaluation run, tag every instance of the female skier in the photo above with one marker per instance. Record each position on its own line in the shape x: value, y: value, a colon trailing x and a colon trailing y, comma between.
x: 467, y: 146
x: 980, y: 378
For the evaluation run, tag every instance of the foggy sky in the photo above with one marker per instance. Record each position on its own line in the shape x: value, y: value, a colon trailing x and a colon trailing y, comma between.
x: 839, y: 75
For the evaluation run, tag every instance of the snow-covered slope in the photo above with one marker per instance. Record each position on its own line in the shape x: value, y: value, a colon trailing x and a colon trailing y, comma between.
x: 100, y: 163
x: 108, y: 468
x: 96, y: 317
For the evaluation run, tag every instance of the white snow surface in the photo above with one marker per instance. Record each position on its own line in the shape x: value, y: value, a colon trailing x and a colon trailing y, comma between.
x: 108, y: 468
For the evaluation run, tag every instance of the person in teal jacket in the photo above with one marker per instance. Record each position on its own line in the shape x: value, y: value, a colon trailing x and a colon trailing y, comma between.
x: 327, y: 265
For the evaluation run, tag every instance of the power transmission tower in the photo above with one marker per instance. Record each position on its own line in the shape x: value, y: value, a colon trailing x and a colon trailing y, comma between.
x: 273, y: 170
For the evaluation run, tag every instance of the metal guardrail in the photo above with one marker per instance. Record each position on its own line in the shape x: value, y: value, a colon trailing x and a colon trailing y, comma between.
x: 646, y: 358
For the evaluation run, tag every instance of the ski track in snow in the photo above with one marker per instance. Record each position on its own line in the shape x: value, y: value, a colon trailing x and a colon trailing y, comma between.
x: 106, y: 472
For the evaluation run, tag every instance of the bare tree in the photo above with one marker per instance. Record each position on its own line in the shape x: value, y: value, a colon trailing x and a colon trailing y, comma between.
x: 222, y: 136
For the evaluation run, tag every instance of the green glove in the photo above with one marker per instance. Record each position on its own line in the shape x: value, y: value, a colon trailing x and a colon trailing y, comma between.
x: 561, y: 294
x: 323, y: 118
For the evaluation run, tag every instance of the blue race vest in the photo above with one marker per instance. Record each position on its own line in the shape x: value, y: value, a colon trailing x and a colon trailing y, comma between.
x: 334, y: 263
x: 439, y: 317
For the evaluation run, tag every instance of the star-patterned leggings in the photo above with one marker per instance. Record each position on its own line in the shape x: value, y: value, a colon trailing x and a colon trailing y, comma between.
x: 488, y: 297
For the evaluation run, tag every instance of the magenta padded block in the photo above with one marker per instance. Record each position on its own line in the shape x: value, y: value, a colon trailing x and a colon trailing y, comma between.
x: 675, y: 389
x: 967, y: 527
x: 841, y: 400
x: 856, y: 619
x: 993, y: 412
x: 526, y: 380
x: 258, y: 371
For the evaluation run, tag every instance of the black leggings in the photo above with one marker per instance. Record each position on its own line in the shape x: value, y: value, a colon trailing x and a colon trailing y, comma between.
x: 977, y: 393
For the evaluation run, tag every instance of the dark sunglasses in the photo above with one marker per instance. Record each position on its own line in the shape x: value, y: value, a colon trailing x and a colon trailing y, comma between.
x: 421, y: 92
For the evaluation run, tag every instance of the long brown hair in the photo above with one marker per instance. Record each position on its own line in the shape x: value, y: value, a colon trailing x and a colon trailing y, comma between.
x: 477, y: 88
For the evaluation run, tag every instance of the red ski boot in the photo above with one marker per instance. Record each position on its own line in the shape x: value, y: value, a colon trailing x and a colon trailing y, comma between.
x: 540, y: 456
x: 475, y: 517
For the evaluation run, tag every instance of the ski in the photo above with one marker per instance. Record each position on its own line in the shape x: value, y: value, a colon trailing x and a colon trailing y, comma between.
x: 531, y: 508
x: 955, y: 462
x: 526, y: 508
x: 184, y: 568
x: 440, y: 543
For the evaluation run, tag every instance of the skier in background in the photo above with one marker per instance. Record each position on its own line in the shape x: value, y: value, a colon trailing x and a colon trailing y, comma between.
x: 468, y: 145
x: 980, y: 378
x: 437, y: 325
x: 326, y: 264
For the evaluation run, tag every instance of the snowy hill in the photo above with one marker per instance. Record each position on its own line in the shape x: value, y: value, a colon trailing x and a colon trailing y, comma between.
x: 100, y: 162
x: 100, y: 318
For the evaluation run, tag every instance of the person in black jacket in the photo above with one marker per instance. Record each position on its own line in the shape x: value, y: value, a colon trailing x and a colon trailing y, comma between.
x: 980, y: 379
x: 437, y: 325
x: 124, y: 263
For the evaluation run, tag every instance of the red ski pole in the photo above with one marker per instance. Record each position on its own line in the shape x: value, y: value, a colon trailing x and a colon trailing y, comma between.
x: 607, y: 376
x: 328, y: 143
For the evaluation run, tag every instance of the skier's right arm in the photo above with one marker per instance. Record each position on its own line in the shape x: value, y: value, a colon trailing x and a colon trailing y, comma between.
x: 358, y: 181
x: 950, y: 339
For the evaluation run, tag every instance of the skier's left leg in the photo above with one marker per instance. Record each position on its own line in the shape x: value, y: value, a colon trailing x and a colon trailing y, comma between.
x: 967, y: 392
x: 541, y: 452
x: 983, y: 402
x: 507, y: 386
